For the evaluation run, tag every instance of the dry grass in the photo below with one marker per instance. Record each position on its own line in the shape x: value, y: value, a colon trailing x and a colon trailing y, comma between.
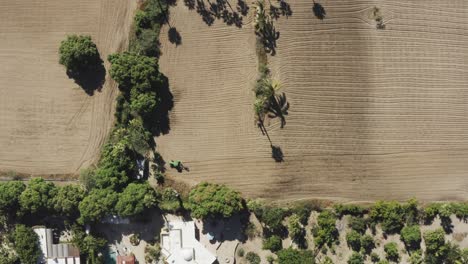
x: 49, y: 125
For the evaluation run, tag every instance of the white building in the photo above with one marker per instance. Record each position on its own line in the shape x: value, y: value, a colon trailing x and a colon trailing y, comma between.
x: 180, y: 246
x: 55, y: 253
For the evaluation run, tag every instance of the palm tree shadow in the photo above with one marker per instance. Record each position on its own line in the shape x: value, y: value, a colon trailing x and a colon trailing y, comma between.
x: 174, y: 36
x: 278, y: 107
x: 319, y: 11
x: 90, y: 79
x: 277, y: 153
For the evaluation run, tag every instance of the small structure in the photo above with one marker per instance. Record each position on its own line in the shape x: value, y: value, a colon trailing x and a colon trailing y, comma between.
x: 179, y: 244
x: 126, y: 259
x: 55, y: 253
x: 141, y: 165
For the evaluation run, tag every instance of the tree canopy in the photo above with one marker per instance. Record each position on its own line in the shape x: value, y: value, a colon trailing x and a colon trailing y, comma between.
x: 78, y: 53
x: 131, y: 70
x: 208, y: 199
x: 67, y: 199
x: 26, y: 244
x: 411, y: 236
x: 97, y: 204
x: 38, y: 196
x: 135, y: 198
x: 325, y: 232
x: 9, y: 196
x: 294, y: 256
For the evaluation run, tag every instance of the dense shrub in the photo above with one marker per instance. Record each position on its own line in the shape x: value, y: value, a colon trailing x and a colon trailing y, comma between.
x: 303, y: 212
x: 349, y: 209
x: 170, y: 200
x: 252, y: 258
x: 374, y: 257
x: 391, y: 215
x: 358, y: 224
x: 294, y: 256
x: 296, y: 232
x: 272, y: 243
x: 213, y: 200
x: 325, y: 232
x: 436, y: 250
x: 391, y: 249
x: 411, y: 236
x: 416, y: 257
x: 271, y: 217
x: 356, y: 258
x: 431, y: 211
x: 353, y: 239
x: 367, y: 243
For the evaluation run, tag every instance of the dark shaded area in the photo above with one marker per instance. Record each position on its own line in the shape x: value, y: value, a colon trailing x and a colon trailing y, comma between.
x: 174, y: 36
x: 268, y: 38
x: 284, y: 9
x: 319, y: 11
x: 225, y: 229
x: 90, y: 79
x: 219, y: 9
x: 446, y: 224
x: 277, y: 153
x: 278, y: 107
x: 158, y: 122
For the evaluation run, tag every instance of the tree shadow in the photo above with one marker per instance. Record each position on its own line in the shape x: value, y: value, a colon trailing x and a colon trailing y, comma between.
x: 319, y: 11
x: 225, y: 229
x: 158, y: 122
x: 242, y: 7
x: 174, y: 36
x: 284, y: 9
x: 446, y: 224
x: 277, y: 153
x: 90, y: 79
x: 278, y: 107
x: 219, y: 9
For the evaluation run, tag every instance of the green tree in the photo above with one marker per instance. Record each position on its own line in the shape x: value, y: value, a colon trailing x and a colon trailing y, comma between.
x: 26, y: 244
x: 38, y: 196
x: 303, y: 212
x: 78, y: 53
x: 367, y: 243
x: 272, y: 218
x: 272, y: 243
x: 411, y: 236
x: 296, y: 232
x: 416, y: 257
x: 144, y: 104
x: 252, y: 258
x: 325, y: 232
x: 135, y: 199
x: 146, y: 42
x: 9, y: 196
x: 391, y: 215
x: 67, y: 200
x: 138, y: 137
x: 170, y: 200
x: 213, y: 200
x: 356, y: 258
x: 133, y: 71
x: 391, y: 249
x: 97, y: 204
x: 294, y: 256
x: 358, y: 224
x: 89, y: 245
x: 353, y: 238
x: 436, y: 249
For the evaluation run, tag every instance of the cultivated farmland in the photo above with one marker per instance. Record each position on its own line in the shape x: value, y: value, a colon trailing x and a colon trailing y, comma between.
x: 374, y: 113
x: 48, y: 124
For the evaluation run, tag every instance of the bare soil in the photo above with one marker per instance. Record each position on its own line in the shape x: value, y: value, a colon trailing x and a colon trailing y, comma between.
x: 374, y: 113
x: 48, y: 124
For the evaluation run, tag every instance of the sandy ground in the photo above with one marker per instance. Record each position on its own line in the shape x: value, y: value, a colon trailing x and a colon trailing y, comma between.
x: 374, y: 114
x: 48, y: 124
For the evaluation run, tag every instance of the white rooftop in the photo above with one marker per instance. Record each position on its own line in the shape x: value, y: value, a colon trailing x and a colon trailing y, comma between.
x: 180, y: 246
x: 55, y: 253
